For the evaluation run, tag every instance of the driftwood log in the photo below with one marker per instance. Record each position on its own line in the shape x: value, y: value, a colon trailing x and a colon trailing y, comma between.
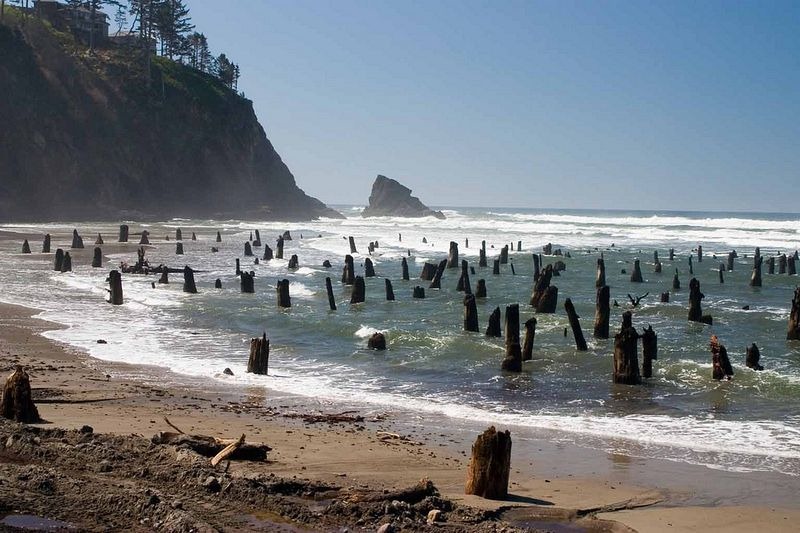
x: 513, y: 359
x: 258, y: 362
x: 626, y: 359
x: 574, y: 323
x: 722, y: 368
x: 493, y: 329
x: 602, y: 312
x: 294, y: 263
x: 649, y: 351
x: 530, y: 336
x: 210, y: 447
x: 490, y: 465
x: 352, y: 241
x: 17, y: 402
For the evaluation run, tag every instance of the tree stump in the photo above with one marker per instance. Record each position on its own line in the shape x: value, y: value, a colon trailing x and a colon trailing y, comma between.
x: 536, y: 264
x: 377, y: 341
x: 504, y: 255
x: 369, y: 268
x: 513, y: 359
x: 530, y: 335
x: 188, y: 280
x: 549, y: 300
x: 672, y: 254
x: 123, y: 233
x: 389, y: 290
x: 548, y: 249
x: 782, y: 264
x: 794, y: 317
x: 493, y: 329
x: 179, y: 248
x: 248, y: 250
x: 480, y: 290
x: 463, y: 280
x: 626, y: 358
x: 294, y: 262
x: 722, y: 368
x: 164, y: 279
x: 145, y: 239
x: 217, y: 283
x: 178, y: 234
x: 790, y: 263
x: 731, y: 257
x: 256, y: 243
x: 17, y: 401
x: 755, y: 277
x: 115, y: 287
x: 428, y: 272
x: 490, y: 465
x: 649, y: 351
x: 540, y: 285
x: 46, y: 244
x: 602, y: 312
x: 419, y: 293
x: 238, y: 267
x: 283, y: 294
x: 636, y: 275
x: 279, y: 248
x: 695, y: 309
x: 219, y: 237
x: 771, y: 265
x: 77, y: 240
x: 329, y: 290
x: 352, y: 241
x: 496, y: 267
x: 676, y: 282
x: 26, y: 248
x: 574, y: 323
x: 359, y: 291
x: 287, y: 236
x: 59, y: 260
x: 437, y: 278
x: 258, y: 362
x: 482, y: 255
x: 722, y: 273
x: 452, y: 255
x: 519, y: 246
x: 665, y: 297
x: 404, y: 268
x: 348, y: 273
x: 470, y: 313
x: 753, y: 357
x: 691, y: 267
x: 699, y: 254
x: 97, y: 259
x: 247, y: 282
x: 66, y: 265
x: 267, y: 253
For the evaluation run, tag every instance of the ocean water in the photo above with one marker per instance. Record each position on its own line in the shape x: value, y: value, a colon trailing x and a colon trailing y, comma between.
x: 432, y: 367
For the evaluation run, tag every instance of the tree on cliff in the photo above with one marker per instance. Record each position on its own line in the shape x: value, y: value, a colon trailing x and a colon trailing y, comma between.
x: 172, y: 23
x: 227, y: 71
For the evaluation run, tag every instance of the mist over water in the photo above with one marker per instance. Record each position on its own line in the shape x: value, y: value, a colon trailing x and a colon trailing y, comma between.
x: 435, y: 368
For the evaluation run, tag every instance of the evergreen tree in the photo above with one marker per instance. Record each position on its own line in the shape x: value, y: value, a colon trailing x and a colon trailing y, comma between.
x: 172, y: 22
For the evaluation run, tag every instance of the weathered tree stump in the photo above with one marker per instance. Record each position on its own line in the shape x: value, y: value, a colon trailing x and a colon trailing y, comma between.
x: 77, y: 240
x: 755, y: 277
x: 548, y: 249
x: 287, y: 236
x: 695, y: 309
x: 145, y: 238
x: 179, y: 248
x: 513, y: 359
x: 46, y: 244
x: 219, y: 237
x: 329, y: 290
x: 437, y: 278
x: 284, y: 300
x: 549, y: 300
x: 699, y: 254
x: 247, y: 282
x: 530, y: 335
x: 636, y: 275
x: 352, y: 241
x: 676, y: 282
x: 17, y: 401
x: 626, y: 358
x: 602, y: 312
x: 256, y: 242
x: 164, y: 279
x: 59, y: 260
x: 756, y: 255
x: 782, y: 264
x: 691, y: 267
x: 66, y: 265
x: 452, y: 255
x: 178, y: 234
x: 359, y: 291
x: 540, y: 285
x: 504, y: 255
x: 123, y: 233
x: 770, y: 265
x: 470, y: 313
x: 255, y: 261
x: 294, y: 262
x: 217, y: 283
x: 537, y: 261
x: 258, y: 362
x: 649, y: 351
x: 419, y: 293
x: 404, y: 268
x: 672, y: 254
x: 794, y: 317
x: 369, y: 268
x: 97, y: 259
x: 665, y: 297
x: 26, y: 248
x: 389, y: 290
x: 248, y: 250
x: 753, y: 357
x: 496, y: 267
x: 490, y: 465
x: 493, y: 329
x: 267, y: 253
x: 377, y: 341
x: 519, y: 246
x: 790, y: 263
x: 326, y: 264
x: 480, y: 290
x: 513, y: 272
x: 348, y: 271
x: 574, y: 323
x: 279, y: 248
x: 428, y: 272
x: 731, y: 257
x: 722, y: 272
x: 115, y: 287
x: 482, y: 255
x: 463, y: 280
x: 99, y: 239
x: 722, y: 368
x: 188, y: 280
x: 238, y: 267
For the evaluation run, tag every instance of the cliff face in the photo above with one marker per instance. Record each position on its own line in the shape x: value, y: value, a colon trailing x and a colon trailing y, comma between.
x: 391, y: 198
x: 86, y: 137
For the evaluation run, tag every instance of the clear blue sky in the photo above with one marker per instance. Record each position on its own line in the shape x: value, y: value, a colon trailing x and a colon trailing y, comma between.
x: 594, y: 104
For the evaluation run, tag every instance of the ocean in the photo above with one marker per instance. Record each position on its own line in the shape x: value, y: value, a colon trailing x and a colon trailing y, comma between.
x: 434, y: 370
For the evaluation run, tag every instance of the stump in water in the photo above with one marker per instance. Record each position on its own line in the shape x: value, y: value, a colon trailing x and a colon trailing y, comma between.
x: 480, y: 290
x: 496, y: 267
x: 352, y: 245
x: 248, y: 250
x: 279, y: 248
x: 17, y: 401
x: 164, y: 279
x: 664, y: 297
x: 258, y: 362
x: 217, y: 283
x: 404, y: 269
x: 722, y: 368
x: 574, y: 323
x: 756, y: 255
x: 691, y: 268
x: 731, y: 257
x: 755, y: 277
x: 463, y: 280
x: 600, y: 278
x: 549, y: 300
x: 636, y: 275
x: 369, y: 268
x: 482, y: 255
x: 179, y: 248
x: 123, y: 233
x: 247, y: 282
x: 97, y: 259
x: 699, y: 254
x: 329, y: 290
x: 771, y: 265
x: 389, y: 290
x: 348, y: 273
x: 791, y: 266
x: 267, y: 253
x: 782, y: 264
x: 676, y: 282
x: 437, y: 278
x: 77, y: 240
x: 238, y: 267
x: 540, y: 285
x: 530, y: 335
x: 537, y: 261
x: 504, y: 255
x: 256, y: 243
x: 294, y: 262
x: 66, y: 265
x: 794, y: 317
x: 219, y: 237
x: 59, y: 260
x: 470, y: 313
x: 145, y: 239
x: 287, y: 236
x: 178, y: 234
x: 548, y: 249
x: 115, y: 287
x: 419, y: 292
x: 722, y: 272
x: 519, y: 246
x: 188, y: 280
x: 283, y: 293
x: 359, y: 291
x: 753, y: 357
x: 452, y: 255
x: 602, y: 312
x: 46, y: 244
x: 672, y: 254
x: 490, y: 465
x: 649, y: 351
x: 626, y: 358
x: 26, y: 248
x: 377, y: 341
x: 493, y: 329
x: 695, y: 309
x: 428, y: 272
x: 326, y: 264
x: 513, y: 359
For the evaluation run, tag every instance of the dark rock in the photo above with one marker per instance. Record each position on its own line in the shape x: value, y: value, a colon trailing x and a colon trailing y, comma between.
x: 377, y: 341
x: 390, y: 198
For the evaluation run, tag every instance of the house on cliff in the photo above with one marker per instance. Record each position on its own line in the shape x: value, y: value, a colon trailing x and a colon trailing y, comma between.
x: 81, y: 21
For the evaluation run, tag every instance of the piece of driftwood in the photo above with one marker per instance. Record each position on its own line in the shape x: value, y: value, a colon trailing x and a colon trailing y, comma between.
x: 17, y: 402
x: 229, y: 449
x: 490, y: 465
x: 574, y: 323
x: 352, y: 245
x: 348, y: 272
x: 635, y: 301
x: 411, y: 495
x: 721, y: 365
x: 208, y: 446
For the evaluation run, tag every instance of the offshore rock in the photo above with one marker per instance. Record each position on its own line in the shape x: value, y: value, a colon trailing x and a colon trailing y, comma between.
x: 390, y: 198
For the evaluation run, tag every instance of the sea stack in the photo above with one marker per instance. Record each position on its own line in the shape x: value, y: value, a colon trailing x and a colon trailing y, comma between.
x: 389, y: 198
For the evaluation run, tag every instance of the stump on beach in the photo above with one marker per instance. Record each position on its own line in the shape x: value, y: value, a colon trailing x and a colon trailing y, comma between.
x: 721, y: 365
x: 428, y: 272
x: 676, y: 282
x: 404, y: 268
x: 58, y: 261
x: 258, y: 362
x: 504, y: 255
x: 549, y: 300
x: 540, y: 285
x: 452, y: 255
x: 574, y: 323
x: 145, y: 238
x: 626, y: 358
x: 636, y: 275
x: 115, y: 287
x: 352, y: 245
x: 219, y: 237
x: 496, y: 267
x: 513, y: 359
x: 348, y: 274
x: 217, y: 283
x: 77, y: 240
x: 66, y: 264
x: 600, y: 278
x: 247, y: 282
x: 248, y: 250
x: 178, y: 234
x: 537, y: 262
x: 480, y: 290
x: 490, y: 465
x: 294, y: 263
x: 755, y: 277
x: 164, y: 279
x: 463, y: 280
x: 17, y: 401
x: 436, y: 283
x: 279, y: 248
x: 369, y: 268
x: 267, y: 253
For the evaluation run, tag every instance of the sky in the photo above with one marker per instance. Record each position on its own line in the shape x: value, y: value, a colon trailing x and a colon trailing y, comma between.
x: 666, y: 105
